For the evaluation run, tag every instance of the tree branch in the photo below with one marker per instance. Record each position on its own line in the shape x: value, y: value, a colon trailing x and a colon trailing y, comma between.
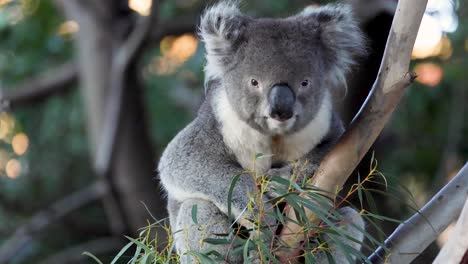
x: 457, y: 245
x: 94, y: 43
x: 387, y: 91
x: 36, y: 90
x: 42, y: 219
x: 415, y: 234
x: 127, y: 55
x: 63, y: 79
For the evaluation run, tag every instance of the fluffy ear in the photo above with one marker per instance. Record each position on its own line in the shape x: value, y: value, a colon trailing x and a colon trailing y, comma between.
x: 339, y: 34
x: 221, y: 28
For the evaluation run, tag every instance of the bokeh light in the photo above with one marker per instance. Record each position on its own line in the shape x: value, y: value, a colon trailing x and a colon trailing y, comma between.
x: 182, y: 48
x: 7, y: 123
x: 68, y: 27
x: 175, y: 51
x: 445, y: 48
x: 429, y: 74
x: 431, y: 41
x: 4, y: 2
x: 20, y: 143
x: 3, y: 159
x: 13, y: 168
x: 142, y: 7
x: 428, y: 38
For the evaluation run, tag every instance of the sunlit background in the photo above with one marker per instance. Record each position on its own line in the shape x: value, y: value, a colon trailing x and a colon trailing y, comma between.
x: 41, y: 149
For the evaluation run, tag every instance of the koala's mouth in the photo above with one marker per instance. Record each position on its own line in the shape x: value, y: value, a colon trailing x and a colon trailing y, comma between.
x: 280, y: 127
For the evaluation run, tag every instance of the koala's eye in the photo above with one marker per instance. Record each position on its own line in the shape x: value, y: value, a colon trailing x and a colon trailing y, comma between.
x: 254, y: 82
x: 305, y: 83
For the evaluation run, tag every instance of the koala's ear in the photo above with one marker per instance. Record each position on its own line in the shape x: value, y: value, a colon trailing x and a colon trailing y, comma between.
x: 221, y: 27
x: 338, y: 32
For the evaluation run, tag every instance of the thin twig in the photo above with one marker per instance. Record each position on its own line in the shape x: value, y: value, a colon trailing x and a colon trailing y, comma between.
x: 415, y: 234
x: 44, y: 218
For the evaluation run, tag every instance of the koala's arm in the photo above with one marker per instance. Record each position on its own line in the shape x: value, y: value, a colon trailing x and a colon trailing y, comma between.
x: 196, y: 165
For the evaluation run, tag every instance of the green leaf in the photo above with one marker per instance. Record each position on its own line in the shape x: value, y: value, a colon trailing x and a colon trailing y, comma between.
x: 202, y: 257
x: 381, y: 217
x: 121, y: 252
x: 148, y: 258
x: 370, y: 201
x: 246, y: 252
x: 217, y: 241
x: 267, y: 252
x: 86, y: 253
x: 139, y: 244
x: 194, y: 213
x: 136, y: 255
x: 298, y: 210
x: 359, y: 188
x: 229, y: 198
x: 261, y: 156
x: 319, y: 211
x: 279, y: 215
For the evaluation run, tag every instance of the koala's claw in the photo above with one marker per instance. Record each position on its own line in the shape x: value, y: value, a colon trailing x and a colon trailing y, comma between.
x: 274, y: 187
x: 283, y: 172
x: 266, y: 220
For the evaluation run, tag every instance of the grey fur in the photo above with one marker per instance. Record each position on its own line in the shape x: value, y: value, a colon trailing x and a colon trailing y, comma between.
x: 232, y: 125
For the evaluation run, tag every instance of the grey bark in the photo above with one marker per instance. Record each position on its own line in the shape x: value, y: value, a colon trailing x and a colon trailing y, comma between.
x: 411, y: 237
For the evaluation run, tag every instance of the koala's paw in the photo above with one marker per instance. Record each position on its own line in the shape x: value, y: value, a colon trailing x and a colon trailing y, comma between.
x: 254, y: 257
x: 284, y: 172
x: 266, y: 220
x: 275, y: 189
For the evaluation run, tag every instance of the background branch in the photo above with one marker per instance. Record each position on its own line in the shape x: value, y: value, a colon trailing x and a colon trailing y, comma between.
x: 74, y: 254
x: 44, y: 218
x: 369, y: 122
x: 457, y: 245
x: 36, y: 90
x: 94, y: 43
x: 65, y: 78
x: 415, y: 234
x: 128, y: 54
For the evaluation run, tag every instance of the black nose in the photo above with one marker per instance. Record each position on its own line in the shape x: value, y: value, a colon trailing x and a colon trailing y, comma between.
x: 281, y: 100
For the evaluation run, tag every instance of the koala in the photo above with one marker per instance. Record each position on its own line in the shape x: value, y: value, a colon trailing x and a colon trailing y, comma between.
x: 268, y: 89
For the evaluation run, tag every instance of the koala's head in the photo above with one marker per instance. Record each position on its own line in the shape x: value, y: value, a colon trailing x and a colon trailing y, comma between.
x: 278, y: 72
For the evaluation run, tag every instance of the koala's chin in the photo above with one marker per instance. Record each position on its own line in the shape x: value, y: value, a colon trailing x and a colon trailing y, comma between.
x: 276, y: 127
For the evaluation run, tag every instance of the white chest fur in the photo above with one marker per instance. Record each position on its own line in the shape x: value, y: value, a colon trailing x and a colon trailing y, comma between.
x: 245, y: 142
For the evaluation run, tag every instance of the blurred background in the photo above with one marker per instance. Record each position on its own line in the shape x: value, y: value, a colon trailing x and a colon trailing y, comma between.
x: 60, y: 64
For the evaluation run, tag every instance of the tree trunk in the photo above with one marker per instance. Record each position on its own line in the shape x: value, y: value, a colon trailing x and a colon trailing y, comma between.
x: 132, y: 168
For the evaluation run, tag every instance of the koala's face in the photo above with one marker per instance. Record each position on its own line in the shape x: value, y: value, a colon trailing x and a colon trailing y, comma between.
x: 276, y: 72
